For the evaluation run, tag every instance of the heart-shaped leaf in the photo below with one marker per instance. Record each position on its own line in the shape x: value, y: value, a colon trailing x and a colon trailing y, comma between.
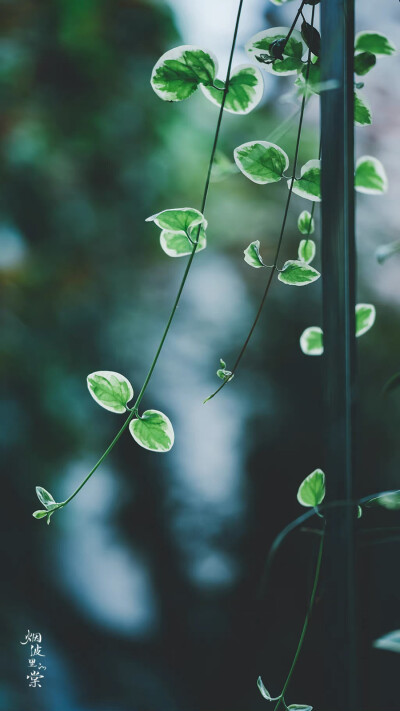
x: 309, y: 183
x: 273, y: 54
x: 245, y: 91
x: 39, y: 514
x: 305, y: 223
x: 365, y: 318
x: 177, y: 244
x: 307, y: 250
x: 252, y: 255
x: 153, y: 430
x: 312, y: 490
x: 374, y: 42
x: 370, y: 176
x: 297, y: 273
x: 180, y: 219
x: 311, y: 341
x: 110, y: 390
x: 364, y: 62
x: 261, y: 161
x: 178, y: 73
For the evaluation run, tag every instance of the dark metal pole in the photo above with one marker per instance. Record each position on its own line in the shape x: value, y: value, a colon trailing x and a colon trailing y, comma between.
x: 338, y: 272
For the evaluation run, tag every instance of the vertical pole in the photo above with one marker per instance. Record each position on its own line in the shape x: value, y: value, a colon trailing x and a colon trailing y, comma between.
x: 338, y: 272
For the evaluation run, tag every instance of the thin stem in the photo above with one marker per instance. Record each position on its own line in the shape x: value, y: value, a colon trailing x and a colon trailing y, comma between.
x: 294, y: 23
x: 134, y: 409
x: 305, y: 625
x: 279, y: 245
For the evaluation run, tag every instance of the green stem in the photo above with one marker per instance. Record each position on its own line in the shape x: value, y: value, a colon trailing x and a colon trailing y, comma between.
x: 279, y: 245
x: 134, y: 409
x: 305, y: 625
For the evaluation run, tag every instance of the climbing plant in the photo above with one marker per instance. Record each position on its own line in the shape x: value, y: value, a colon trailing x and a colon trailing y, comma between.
x: 177, y: 75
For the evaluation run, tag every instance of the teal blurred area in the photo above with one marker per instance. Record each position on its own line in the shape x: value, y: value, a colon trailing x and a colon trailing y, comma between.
x: 146, y: 589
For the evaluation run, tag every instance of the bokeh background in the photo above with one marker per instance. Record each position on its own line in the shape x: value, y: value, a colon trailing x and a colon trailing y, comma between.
x: 146, y: 589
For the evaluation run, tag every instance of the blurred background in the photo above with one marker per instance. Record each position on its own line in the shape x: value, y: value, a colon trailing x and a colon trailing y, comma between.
x: 147, y: 588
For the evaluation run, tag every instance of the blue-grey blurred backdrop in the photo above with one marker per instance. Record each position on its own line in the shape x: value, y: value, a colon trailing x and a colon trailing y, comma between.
x: 146, y: 589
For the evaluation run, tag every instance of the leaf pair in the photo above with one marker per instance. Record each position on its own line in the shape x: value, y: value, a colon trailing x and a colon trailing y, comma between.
x: 263, y: 162
x: 181, y: 228
x: 311, y: 340
x: 267, y: 696
x: 47, y: 501
x: 152, y: 430
x: 295, y: 272
x: 180, y: 71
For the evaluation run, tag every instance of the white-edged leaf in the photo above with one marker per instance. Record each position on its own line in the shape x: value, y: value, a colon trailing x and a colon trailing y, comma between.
x: 365, y: 318
x: 246, y: 87
x: 298, y: 273
x: 110, y: 390
x: 44, y: 497
x: 300, y: 707
x: 177, y: 244
x: 389, y: 501
x: 362, y: 112
x: 312, y: 490
x: 259, y: 49
x: 222, y: 372
x: 370, y: 177
x: 390, y: 642
x: 178, y: 73
x: 306, y: 250
x: 387, y: 250
x: 374, y: 42
x: 252, y: 255
x: 153, y: 430
x: 39, y: 514
x: 309, y: 183
x: 311, y: 341
x: 261, y: 161
x: 305, y: 223
x: 263, y: 691
x: 179, y: 219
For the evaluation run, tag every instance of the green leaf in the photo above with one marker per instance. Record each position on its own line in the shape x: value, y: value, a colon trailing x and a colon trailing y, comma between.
x: 363, y: 63
x: 312, y: 490
x: 370, y: 176
x: 305, y: 223
x: 362, y: 113
x: 311, y: 341
x: 289, y: 62
x: 245, y: 91
x: 180, y: 219
x: 390, y: 501
x: 177, y: 244
x: 44, y: 497
x: 309, y: 183
x: 307, y: 250
x: 390, y: 642
x: 252, y: 255
x: 359, y: 512
x: 263, y: 691
x: 374, y: 42
x: 153, y: 430
x: 261, y: 161
x: 297, y: 273
x: 365, y: 318
x: 300, y: 707
x: 110, y: 390
x: 222, y: 372
x: 178, y: 73
x: 39, y: 514
x: 387, y: 250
